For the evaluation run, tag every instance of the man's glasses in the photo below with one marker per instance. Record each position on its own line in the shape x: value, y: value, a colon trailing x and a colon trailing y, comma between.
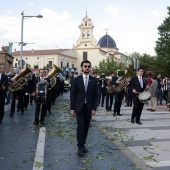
x: 86, y: 66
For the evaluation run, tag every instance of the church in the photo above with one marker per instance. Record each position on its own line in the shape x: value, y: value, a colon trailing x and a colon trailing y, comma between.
x: 85, y: 48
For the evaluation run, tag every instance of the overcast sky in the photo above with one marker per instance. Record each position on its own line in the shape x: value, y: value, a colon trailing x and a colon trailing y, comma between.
x: 132, y: 24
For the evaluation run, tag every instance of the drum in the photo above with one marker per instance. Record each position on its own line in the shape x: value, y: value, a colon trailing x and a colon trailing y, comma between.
x: 144, y: 96
x: 41, y: 92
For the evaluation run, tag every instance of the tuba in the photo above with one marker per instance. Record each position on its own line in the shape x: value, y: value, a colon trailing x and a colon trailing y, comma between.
x: 20, y: 79
x: 122, y: 82
x: 52, y: 75
x: 108, y: 86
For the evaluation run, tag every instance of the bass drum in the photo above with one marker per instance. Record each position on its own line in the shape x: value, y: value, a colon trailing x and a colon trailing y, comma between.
x: 144, y: 96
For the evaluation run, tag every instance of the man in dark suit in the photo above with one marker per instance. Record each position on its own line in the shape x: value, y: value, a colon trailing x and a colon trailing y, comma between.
x: 3, y: 89
x: 137, y: 85
x: 40, y: 103
x: 102, y: 89
x: 84, y: 96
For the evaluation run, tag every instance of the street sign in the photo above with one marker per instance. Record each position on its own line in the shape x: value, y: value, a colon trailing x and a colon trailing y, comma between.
x: 23, y: 63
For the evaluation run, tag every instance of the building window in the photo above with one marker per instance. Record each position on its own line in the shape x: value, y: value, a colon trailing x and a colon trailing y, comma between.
x: 72, y: 65
x: 16, y: 59
x: 50, y: 63
x: 67, y: 64
x: 15, y: 65
x: 84, y: 55
x: 85, y: 23
x: 61, y: 64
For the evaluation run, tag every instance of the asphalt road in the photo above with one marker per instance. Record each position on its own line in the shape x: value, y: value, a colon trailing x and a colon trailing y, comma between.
x: 24, y: 146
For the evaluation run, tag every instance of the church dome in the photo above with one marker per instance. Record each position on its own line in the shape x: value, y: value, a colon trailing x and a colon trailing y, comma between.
x: 106, y: 41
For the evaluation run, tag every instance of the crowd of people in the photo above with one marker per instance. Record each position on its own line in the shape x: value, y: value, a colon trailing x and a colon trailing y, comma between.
x: 87, y: 92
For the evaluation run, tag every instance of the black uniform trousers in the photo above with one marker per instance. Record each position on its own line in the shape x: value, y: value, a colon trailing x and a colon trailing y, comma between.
x: 83, y: 122
x: 41, y: 116
x: 20, y: 95
x: 102, y: 93
x: 118, y: 102
x: 2, y: 103
x: 109, y: 97
x: 137, y: 108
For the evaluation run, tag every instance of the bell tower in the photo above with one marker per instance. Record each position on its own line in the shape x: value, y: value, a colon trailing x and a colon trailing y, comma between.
x: 86, y: 33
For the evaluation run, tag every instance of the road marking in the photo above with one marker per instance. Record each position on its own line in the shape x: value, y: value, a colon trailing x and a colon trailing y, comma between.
x: 159, y: 164
x: 39, y: 155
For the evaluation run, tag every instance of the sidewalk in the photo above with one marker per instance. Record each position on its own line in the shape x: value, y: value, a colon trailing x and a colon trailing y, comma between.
x: 148, y: 143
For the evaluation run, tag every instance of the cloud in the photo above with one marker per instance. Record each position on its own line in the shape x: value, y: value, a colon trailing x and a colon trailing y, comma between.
x: 156, y: 13
x: 116, y: 11
x: 30, y: 4
x: 52, y: 31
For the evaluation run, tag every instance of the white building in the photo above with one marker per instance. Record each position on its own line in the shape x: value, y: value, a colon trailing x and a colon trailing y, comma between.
x: 85, y: 48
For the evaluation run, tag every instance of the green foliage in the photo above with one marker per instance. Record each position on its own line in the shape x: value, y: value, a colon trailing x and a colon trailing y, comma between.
x: 108, y: 66
x: 162, y: 48
x: 36, y: 66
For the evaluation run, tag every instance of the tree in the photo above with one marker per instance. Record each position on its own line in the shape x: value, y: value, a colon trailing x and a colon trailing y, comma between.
x: 162, y: 48
x: 108, y: 66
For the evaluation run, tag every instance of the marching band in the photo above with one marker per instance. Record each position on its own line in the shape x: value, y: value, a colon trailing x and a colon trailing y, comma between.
x: 43, y: 88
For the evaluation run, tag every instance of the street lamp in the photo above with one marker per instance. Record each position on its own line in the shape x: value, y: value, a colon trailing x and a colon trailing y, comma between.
x: 22, y: 24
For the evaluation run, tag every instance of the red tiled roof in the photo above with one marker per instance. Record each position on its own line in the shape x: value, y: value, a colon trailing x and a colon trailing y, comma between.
x: 39, y: 52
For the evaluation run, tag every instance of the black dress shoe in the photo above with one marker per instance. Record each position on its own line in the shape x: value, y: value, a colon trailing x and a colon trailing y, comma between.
x: 148, y: 109
x: 139, y: 123
x: 85, y: 150
x: 114, y: 113
x: 11, y: 114
x: 35, y: 123
x: 49, y: 111
x: 80, y: 152
x: 18, y: 110
x: 42, y: 123
x: 22, y: 113
x: 102, y: 105
x: 152, y: 110
x: 119, y: 114
x: 132, y: 121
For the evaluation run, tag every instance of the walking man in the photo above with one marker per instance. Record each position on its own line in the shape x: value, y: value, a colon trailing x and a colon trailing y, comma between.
x: 84, y: 97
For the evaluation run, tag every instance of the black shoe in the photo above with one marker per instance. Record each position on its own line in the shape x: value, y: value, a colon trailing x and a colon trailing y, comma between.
x: 85, y: 150
x: 148, y: 109
x: 49, y: 111
x: 119, y: 114
x: 80, y: 152
x: 114, y: 113
x: 11, y: 114
x: 22, y: 113
x: 0, y: 121
x: 26, y: 108
x: 18, y: 110
x: 42, y: 122
x: 30, y: 103
x: 108, y: 110
x: 132, y: 121
x: 35, y: 123
x: 139, y: 123
x: 152, y: 110
x: 102, y: 105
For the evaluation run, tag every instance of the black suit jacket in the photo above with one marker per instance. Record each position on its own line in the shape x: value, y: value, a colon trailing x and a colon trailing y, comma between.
x: 3, y: 82
x: 78, y: 94
x: 135, y: 84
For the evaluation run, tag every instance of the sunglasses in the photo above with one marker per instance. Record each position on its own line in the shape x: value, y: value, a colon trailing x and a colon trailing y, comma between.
x: 86, y: 66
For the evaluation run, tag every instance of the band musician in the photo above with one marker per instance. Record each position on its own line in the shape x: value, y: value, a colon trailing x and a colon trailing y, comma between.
x: 3, y: 89
x: 137, y: 85
x: 40, y: 102
x: 102, y: 89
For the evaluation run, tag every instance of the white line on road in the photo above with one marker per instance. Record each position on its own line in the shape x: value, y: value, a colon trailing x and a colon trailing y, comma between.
x: 39, y: 156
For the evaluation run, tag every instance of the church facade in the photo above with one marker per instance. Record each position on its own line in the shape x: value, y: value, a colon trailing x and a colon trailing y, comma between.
x: 86, y: 47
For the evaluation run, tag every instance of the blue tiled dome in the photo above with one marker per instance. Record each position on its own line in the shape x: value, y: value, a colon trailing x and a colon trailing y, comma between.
x: 106, y: 41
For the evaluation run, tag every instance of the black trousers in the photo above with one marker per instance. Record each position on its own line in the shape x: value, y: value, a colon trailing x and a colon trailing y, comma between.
x: 2, y: 103
x: 165, y: 95
x: 41, y: 116
x: 129, y: 101
x: 102, y: 93
x: 109, y: 97
x: 83, y: 122
x: 118, y: 102
x: 137, y: 108
x: 20, y: 95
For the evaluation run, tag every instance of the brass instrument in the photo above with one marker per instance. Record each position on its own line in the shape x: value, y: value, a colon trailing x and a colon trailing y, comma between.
x: 52, y: 75
x: 122, y: 82
x: 20, y: 80
x: 108, y: 85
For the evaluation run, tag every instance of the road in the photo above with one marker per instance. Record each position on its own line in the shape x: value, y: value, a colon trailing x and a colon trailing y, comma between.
x: 113, y: 142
